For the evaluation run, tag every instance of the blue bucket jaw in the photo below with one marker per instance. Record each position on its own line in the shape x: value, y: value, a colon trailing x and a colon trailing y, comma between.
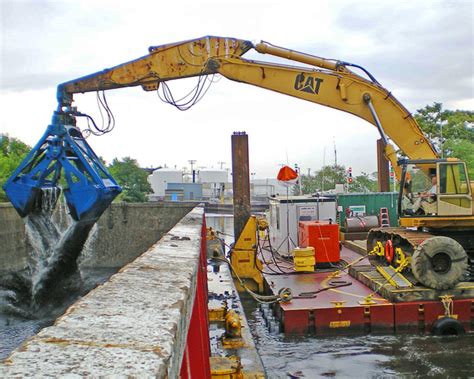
x: 87, y: 203
x: 90, y: 187
x: 27, y: 199
x: 23, y: 196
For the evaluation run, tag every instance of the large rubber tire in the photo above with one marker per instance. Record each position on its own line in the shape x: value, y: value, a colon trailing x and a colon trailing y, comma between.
x: 439, y: 263
x: 447, y: 326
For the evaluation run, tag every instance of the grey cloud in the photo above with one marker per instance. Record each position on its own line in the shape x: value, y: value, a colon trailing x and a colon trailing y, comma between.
x: 40, y: 46
x: 424, y: 48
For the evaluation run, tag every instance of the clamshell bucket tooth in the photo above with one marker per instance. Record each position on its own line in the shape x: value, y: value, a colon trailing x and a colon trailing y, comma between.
x: 89, y: 187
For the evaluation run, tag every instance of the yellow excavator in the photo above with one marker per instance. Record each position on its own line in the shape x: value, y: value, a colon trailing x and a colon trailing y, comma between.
x: 433, y: 241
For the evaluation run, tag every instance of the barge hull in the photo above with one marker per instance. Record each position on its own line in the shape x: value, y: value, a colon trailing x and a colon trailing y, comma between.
x: 356, y: 307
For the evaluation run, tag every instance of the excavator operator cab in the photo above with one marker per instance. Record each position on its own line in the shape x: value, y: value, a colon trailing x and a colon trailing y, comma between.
x: 434, y: 188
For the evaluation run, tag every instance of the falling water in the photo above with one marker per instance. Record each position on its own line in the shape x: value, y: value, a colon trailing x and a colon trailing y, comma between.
x: 88, y: 249
x: 53, y: 273
x: 34, y: 297
x: 56, y: 252
x: 41, y: 232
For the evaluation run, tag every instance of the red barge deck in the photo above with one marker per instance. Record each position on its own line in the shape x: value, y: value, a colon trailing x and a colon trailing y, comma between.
x: 364, y: 303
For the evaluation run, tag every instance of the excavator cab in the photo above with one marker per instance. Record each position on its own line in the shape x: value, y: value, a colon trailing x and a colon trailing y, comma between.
x: 437, y: 187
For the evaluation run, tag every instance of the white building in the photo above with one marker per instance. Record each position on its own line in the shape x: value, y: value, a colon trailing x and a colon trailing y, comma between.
x: 213, y: 183
x: 212, y: 176
x: 268, y: 187
x: 161, y: 177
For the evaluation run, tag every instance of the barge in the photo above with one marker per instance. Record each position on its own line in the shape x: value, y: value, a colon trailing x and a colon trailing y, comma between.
x: 361, y: 300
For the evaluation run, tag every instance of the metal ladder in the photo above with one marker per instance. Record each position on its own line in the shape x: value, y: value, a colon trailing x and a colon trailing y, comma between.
x: 384, y: 219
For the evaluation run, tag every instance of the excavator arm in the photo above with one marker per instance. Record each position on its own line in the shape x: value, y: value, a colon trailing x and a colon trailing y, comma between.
x: 325, y: 82
x: 339, y: 90
x: 167, y: 62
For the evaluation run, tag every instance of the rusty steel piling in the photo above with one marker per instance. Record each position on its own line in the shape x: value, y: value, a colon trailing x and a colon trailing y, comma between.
x: 240, y: 181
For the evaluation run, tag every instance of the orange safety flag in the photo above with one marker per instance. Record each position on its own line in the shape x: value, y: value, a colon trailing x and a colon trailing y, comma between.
x: 287, y: 174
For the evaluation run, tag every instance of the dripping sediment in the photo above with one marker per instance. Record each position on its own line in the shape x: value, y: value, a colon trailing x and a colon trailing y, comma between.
x: 53, y: 275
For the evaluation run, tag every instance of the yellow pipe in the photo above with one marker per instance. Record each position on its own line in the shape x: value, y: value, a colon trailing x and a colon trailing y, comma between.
x: 265, y: 48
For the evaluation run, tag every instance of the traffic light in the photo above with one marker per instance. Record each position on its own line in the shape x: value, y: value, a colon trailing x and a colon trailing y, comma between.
x: 349, y: 175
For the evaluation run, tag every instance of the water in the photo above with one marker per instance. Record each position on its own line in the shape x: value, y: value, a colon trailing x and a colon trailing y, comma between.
x: 367, y: 356
x: 16, y: 327
x: 35, y: 297
x: 370, y: 356
x: 60, y: 273
x: 53, y: 270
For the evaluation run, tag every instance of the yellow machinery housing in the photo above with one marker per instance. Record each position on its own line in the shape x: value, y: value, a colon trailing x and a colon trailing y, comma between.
x: 243, y: 256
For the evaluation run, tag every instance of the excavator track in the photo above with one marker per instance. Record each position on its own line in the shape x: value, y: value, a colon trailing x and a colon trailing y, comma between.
x: 407, y: 239
x: 433, y: 260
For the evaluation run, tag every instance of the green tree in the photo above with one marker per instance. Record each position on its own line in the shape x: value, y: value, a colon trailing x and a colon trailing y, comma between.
x: 12, y: 152
x: 462, y: 149
x: 324, y: 179
x: 132, y: 178
x: 364, y: 183
x: 308, y: 185
x: 447, y: 129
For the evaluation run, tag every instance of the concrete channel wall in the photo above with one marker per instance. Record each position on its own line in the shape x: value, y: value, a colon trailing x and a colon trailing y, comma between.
x: 13, y: 249
x: 134, y: 325
x: 123, y: 232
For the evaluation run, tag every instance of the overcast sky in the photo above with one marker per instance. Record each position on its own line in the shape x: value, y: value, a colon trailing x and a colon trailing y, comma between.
x: 420, y: 50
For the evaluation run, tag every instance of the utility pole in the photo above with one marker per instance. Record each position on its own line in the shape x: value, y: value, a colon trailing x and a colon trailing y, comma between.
x: 324, y: 164
x: 297, y: 169
x: 441, y: 140
x: 222, y: 164
x: 192, y: 162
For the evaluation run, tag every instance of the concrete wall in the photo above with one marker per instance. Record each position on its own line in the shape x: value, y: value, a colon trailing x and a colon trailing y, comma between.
x: 134, y: 325
x: 12, y: 239
x: 123, y: 232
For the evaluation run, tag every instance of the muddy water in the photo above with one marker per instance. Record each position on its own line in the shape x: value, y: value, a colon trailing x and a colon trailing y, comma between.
x: 35, y: 297
x: 61, y: 272
x: 369, y: 356
x: 53, y: 267
x: 15, y: 329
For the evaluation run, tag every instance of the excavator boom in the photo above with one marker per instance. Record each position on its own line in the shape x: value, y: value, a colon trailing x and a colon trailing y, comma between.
x: 330, y: 83
x: 321, y: 81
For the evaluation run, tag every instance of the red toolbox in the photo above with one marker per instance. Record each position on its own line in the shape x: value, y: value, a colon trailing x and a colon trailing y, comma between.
x: 324, y: 237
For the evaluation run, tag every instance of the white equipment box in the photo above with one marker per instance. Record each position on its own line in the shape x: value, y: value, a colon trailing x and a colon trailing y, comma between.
x: 285, y: 213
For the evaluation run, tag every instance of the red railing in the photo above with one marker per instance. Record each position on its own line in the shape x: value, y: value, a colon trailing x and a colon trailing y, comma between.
x: 195, y: 362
